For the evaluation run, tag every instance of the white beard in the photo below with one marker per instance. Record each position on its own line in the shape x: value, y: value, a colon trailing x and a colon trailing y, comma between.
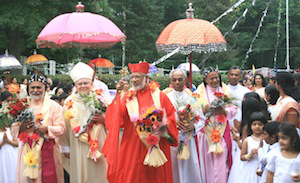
x: 141, y: 86
x: 37, y: 97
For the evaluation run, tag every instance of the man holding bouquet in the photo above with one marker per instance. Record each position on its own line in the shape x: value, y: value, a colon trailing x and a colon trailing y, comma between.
x: 39, y: 157
x: 148, y: 119
x: 189, y: 121
x: 84, y: 117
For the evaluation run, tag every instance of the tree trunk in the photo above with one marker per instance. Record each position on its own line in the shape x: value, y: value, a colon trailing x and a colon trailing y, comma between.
x: 14, y: 42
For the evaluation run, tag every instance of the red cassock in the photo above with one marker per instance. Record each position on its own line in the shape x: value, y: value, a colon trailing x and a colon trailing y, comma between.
x: 126, y: 164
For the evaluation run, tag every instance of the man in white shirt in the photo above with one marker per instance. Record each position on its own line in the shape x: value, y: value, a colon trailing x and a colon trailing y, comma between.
x: 185, y: 169
x: 238, y: 91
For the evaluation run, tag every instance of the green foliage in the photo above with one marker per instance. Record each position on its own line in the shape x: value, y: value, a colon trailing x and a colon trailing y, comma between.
x: 22, y: 21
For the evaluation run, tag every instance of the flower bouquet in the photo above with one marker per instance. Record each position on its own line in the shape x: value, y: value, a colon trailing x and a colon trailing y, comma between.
x: 97, y: 104
x: 187, y: 115
x: 10, y: 110
x: 150, y: 127
x: 216, y: 122
x: 27, y: 115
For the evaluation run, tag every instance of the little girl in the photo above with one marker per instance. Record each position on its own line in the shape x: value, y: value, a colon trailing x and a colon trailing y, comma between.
x: 284, y: 165
x: 250, y: 147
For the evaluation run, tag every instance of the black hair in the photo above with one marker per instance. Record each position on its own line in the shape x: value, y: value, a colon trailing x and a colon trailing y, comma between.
x: 5, y: 95
x: 54, y: 97
x: 262, y: 102
x: 234, y: 67
x: 290, y: 130
x: 256, y: 116
x: 274, y: 94
x: 272, y: 129
x: 62, y: 96
x: 264, y: 83
x: 249, y: 106
x: 210, y: 70
x: 55, y: 83
x: 287, y: 83
x: 58, y: 89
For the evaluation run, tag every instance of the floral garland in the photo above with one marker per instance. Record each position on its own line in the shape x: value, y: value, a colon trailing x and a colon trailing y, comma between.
x: 32, y: 149
x: 216, y: 122
x: 150, y: 126
x: 96, y: 103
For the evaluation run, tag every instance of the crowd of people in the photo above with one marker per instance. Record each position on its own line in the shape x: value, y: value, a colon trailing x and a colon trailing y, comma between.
x: 244, y: 131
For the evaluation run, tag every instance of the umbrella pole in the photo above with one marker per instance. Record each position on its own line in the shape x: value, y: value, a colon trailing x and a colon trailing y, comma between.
x: 191, y: 73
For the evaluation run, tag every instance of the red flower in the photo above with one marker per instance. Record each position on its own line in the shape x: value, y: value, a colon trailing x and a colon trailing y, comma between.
x: 76, y: 129
x: 198, y: 118
x: 35, y: 137
x: 221, y: 118
x: 159, y: 115
x: 13, y: 112
x: 139, y: 122
x: 23, y: 137
x: 188, y: 106
x: 219, y: 94
x: 147, y: 122
x: 152, y: 140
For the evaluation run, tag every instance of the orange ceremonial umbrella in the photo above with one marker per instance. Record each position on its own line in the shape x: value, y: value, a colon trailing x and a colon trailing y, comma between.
x: 191, y: 35
x: 36, y: 59
x: 102, y: 62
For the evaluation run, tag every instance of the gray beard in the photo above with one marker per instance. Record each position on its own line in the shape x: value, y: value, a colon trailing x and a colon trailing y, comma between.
x: 141, y: 86
x: 37, y: 97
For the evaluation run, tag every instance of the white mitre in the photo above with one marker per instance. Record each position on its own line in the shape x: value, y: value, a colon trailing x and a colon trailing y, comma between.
x: 80, y: 71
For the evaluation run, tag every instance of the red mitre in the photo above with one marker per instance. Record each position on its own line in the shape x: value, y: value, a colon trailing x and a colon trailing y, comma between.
x: 142, y: 67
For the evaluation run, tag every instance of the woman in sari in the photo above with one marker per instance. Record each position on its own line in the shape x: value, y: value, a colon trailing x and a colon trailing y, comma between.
x: 287, y: 106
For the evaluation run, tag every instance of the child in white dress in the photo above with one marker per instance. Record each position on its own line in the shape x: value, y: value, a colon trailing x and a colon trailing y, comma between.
x: 270, y: 144
x: 8, y: 157
x: 250, y: 148
x: 284, y: 165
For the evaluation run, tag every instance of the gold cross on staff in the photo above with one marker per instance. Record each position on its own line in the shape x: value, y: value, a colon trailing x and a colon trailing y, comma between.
x: 124, y: 72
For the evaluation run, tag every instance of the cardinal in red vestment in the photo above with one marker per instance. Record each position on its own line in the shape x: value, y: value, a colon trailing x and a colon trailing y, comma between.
x: 126, y: 161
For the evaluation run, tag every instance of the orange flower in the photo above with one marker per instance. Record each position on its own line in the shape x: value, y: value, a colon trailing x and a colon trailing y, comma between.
x: 196, y: 95
x: 215, y: 136
x: 39, y: 117
x: 153, y: 86
x: 94, y: 144
x: 69, y: 104
x: 99, y: 92
x: 130, y: 94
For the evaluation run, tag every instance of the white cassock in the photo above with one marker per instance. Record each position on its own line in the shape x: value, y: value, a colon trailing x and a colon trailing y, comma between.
x: 185, y: 171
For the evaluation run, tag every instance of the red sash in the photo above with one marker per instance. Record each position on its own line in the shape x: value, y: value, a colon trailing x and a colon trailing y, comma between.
x: 48, y: 165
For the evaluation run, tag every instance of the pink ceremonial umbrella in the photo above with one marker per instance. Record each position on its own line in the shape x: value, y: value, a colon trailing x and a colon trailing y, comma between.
x: 81, y: 29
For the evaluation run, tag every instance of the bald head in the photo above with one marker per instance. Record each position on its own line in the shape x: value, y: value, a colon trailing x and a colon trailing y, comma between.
x: 178, y: 79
